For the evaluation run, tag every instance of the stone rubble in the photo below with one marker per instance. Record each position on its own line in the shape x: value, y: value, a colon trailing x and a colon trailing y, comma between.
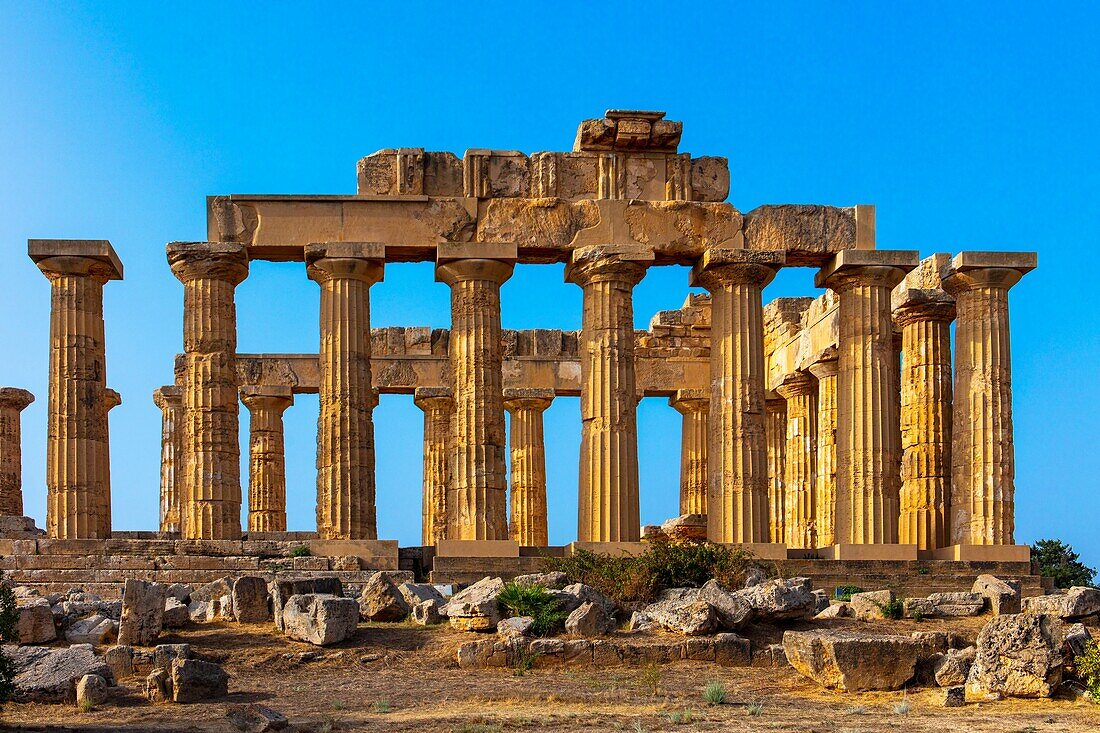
x: 320, y: 619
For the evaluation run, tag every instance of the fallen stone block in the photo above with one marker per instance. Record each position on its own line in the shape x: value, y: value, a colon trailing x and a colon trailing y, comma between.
x: 1002, y: 596
x: 320, y: 619
x: 516, y: 627
x: 381, y: 601
x: 954, y: 697
x: 165, y: 654
x: 251, y: 601
x: 476, y: 607
x: 1075, y: 604
x: 121, y: 661
x: 555, y: 579
x: 779, y: 600
x: 36, y: 625
x: 589, y: 619
x: 255, y: 718
x: 96, y: 630
x: 91, y: 690
x: 952, y: 668
x: 158, y: 686
x: 414, y: 593
x: 427, y: 613
x: 1018, y: 655
x: 142, y: 613
x: 677, y: 609
x: 176, y: 615
x: 50, y: 675
x: 283, y: 589
x: 833, y: 610
x: 869, y: 605
x: 852, y: 662
x: 956, y: 605
x: 194, y: 680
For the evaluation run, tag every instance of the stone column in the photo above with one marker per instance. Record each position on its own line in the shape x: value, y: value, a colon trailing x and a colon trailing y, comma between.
x: 345, y: 426
x: 170, y: 401
x: 438, y: 405
x: 825, y: 483
x: 925, y: 318
x: 693, y: 404
x: 775, y: 433
x: 12, y: 402
x: 210, y: 503
x: 476, y: 502
x: 77, y: 504
x: 266, y: 456
x: 111, y: 400
x: 867, y: 416
x: 983, y: 467
x: 528, y: 516
x: 800, y: 460
x: 608, y: 509
x: 737, y: 499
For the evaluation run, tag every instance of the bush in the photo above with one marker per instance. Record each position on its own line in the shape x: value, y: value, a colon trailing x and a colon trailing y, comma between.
x: 1057, y: 560
x: 845, y: 592
x: 892, y: 610
x: 300, y: 551
x: 662, y: 565
x: 1088, y: 668
x: 9, y: 633
x: 534, y: 601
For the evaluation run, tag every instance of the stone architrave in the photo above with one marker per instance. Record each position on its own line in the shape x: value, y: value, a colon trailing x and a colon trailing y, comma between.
x: 693, y: 404
x: 608, y: 502
x: 438, y: 405
x: 345, y: 427
x: 12, y: 402
x: 170, y: 401
x: 528, y: 452
x: 775, y: 433
x: 983, y: 464
x: 210, y: 503
x: 925, y: 319
x: 800, y: 460
x: 77, y: 503
x: 825, y: 484
x: 267, y: 456
x: 868, y: 434
x: 476, y: 498
x: 737, y: 496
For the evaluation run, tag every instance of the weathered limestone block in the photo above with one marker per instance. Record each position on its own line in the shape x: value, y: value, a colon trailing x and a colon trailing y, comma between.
x: 320, y: 619
x: 679, y: 610
x: 267, y: 457
x: 528, y: 524
x: 12, y: 402
x: 414, y: 593
x: 194, y: 680
x: 35, y: 623
x: 438, y: 406
x: 957, y: 604
x: 91, y: 690
x: 1019, y: 655
x: 809, y: 234
x: 869, y: 605
x: 176, y: 614
x: 170, y: 401
x: 50, y: 675
x: 256, y: 718
x: 515, y: 628
x: 553, y: 579
x: 779, y: 599
x: 282, y: 589
x: 121, y: 661
x: 251, y: 600
x: 142, y: 612
x: 158, y: 686
x: 1003, y: 596
x: 475, y: 608
x: 693, y: 405
x: 165, y: 654
x: 834, y: 610
x: 380, y: 600
x: 952, y: 668
x: 852, y: 662
x: 589, y: 619
x: 1074, y: 604
x: 95, y: 630
x: 410, y: 172
x: 427, y: 613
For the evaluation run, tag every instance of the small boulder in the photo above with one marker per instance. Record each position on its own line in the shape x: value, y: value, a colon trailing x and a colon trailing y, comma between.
x: 686, y: 528
x: 158, y: 686
x: 917, y: 608
x: 588, y: 620
x: 142, y: 612
x: 256, y: 718
x: 281, y: 590
x: 95, y: 630
x: 250, y: 600
x: 954, y: 697
x: 176, y: 615
x: 677, y: 609
x: 426, y: 613
x: 516, y: 627
x: 733, y: 611
x: 121, y: 661
x: 194, y: 680
x: 165, y: 654
x: 780, y: 600
x: 320, y: 619
x: 180, y: 592
x: 1019, y: 655
x: 415, y: 593
x: 869, y: 605
x: 821, y: 600
x: 476, y: 607
x: 579, y: 593
x: 381, y: 601
x: 833, y: 610
x: 1075, y: 604
x: 36, y: 624
x: 852, y: 662
x: 951, y: 669
x: 199, y: 611
x: 212, y: 590
x: 553, y: 579
x: 1003, y: 596
x: 640, y: 621
x: 956, y: 605
x: 91, y: 690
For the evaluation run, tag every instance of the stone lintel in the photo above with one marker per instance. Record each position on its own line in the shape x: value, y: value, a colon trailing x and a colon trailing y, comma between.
x: 452, y: 251
x: 1022, y: 262
x: 851, y: 259
x: 99, y: 250
x: 15, y: 398
x: 345, y: 250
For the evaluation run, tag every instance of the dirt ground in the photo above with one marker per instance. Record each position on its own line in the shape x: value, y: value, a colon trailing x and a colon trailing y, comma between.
x: 397, y: 677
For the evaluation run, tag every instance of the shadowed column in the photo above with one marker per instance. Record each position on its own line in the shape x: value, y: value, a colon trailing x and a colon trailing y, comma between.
x: 693, y: 404
x: 800, y: 460
x: 438, y: 405
x: 345, y: 426
x: 825, y: 484
x: 775, y: 433
x: 737, y: 497
x: 868, y: 436
x: 170, y: 401
x: 111, y: 400
x: 77, y: 504
x: 210, y: 505
x: 476, y: 500
x: 12, y: 402
x: 528, y: 515
x: 608, y: 509
x: 983, y: 465
x: 266, y: 457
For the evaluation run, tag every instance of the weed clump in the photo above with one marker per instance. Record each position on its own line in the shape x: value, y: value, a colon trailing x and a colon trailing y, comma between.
x: 714, y: 692
x: 1088, y: 669
x: 534, y: 601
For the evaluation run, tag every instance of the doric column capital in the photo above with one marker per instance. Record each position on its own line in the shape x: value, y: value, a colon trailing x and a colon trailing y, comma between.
x: 111, y: 398
x: 774, y: 404
x: 720, y: 267
x: 266, y: 397
x: 852, y: 268
x: 13, y: 398
x: 363, y: 261
x: 974, y: 270
x: 527, y: 399
x: 690, y: 401
x: 192, y: 261
x: 434, y: 398
x: 170, y: 395
x: 462, y: 261
x: 80, y: 257
x: 825, y: 367
x: 612, y: 263
x: 797, y: 384
x: 911, y: 306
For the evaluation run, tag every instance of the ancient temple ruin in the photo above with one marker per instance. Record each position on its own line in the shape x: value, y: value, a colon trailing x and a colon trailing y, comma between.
x: 846, y: 427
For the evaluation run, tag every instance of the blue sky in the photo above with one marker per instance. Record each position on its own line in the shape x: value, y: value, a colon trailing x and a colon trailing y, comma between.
x: 969, y: 128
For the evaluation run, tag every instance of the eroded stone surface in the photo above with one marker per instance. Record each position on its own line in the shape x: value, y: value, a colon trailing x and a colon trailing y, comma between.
x: 852, y: 662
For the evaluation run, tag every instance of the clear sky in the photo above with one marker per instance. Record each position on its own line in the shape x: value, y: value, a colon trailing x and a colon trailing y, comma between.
x: 972, y: 128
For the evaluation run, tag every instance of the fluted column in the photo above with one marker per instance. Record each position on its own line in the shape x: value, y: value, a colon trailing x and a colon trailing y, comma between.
x: 693, y: 404
x: 77, y: 504
x: 345, y: 426
x: 12, y: 402
x: 983, y: 464
x: 925, y: 319
x: 170, y: 401
x: 210, y: 505
x: 438, y: 405
x: 528, y: 511
x: 825, y: 484
x: 737, y: 497
x: 800, y: 460
x: 775, y: 433
x: 476, y: 500
x: 867, y: 411
x: 266, y: 456
x: 111, y: 400
x: 608, y: 501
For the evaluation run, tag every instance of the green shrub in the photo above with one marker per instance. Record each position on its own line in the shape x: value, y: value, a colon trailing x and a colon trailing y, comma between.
x: 1057, y: 560
x: 9, y: 633
x: 1088, y: 668
x: 663, y: 565
x: 300, y: 551
x: 891, y: 610
x: 534, y: 601
x: 845, y: 592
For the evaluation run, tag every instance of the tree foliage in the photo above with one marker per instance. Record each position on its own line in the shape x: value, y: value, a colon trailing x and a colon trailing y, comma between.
x: 1057, y: 560
x: 9, y: 634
